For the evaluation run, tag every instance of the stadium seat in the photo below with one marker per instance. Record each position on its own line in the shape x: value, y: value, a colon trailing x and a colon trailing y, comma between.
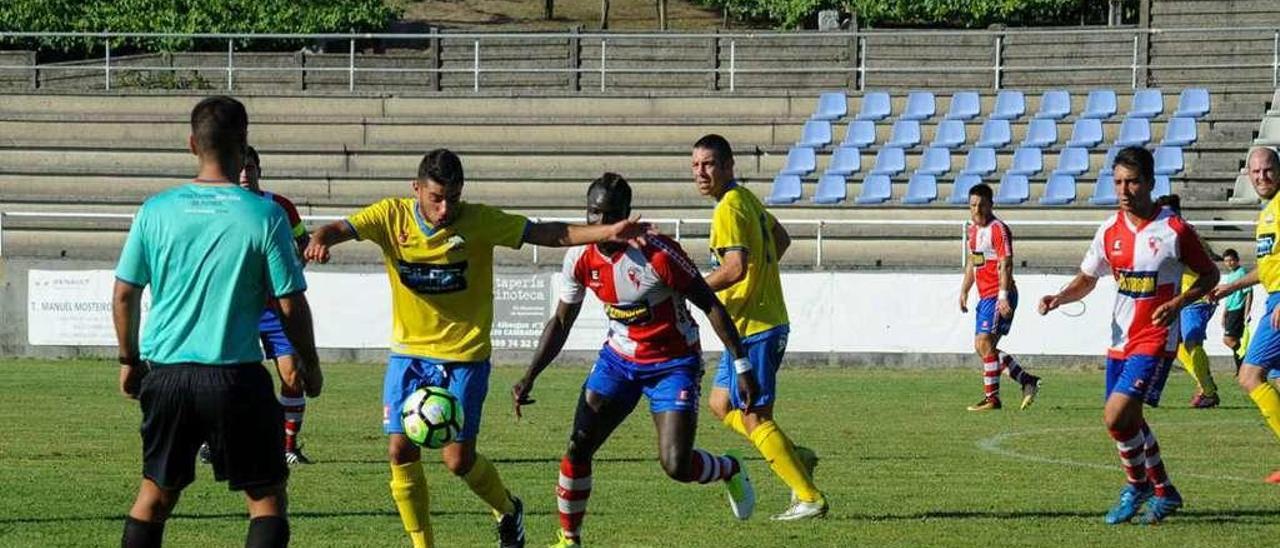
x: 905, y: 134
x: 920, y: 106
x: 1146, y: 103
x: 876, y: 189
x: 935, y: 161
x: 875, y: 106
x: 1168, y: 160
x: 800, y: 161
x: 1026, y: 161
x: 831, y: 189
x: 845, y: 160
x: 1100, y: 104
x: 1059, y: 190
x: 1104, y: 191
x: 994, y: 134
x: 832, y: 106
x: 1180, y: 132
x: 980, y: 161
x: 1108, y: 162
x: 889, y: 161
x: 1193, y: 103
x: 1163, y: 187
x: 861, y: 134
x: 1055, y: 104
x: 1086, y: 133
x: 1041, y: 133
x: 1134, y: 132
x: 785, y: 190
x: 960, y: 189
x: 1242, y: 192
x: 1010, y: 105
x: 1073, y: 161
x: 815, y: 134
x: 949, y: 134
x: 1014, y: 189
x: 965, y: 105
x: 922, y: 188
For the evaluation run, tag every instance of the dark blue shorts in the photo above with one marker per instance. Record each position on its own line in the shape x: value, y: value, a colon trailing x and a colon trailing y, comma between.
x: 988, y: 319
x: 1138, y: 376
x: 1193, y: 320
x: 467, y: 381
x: 673, y: 385
x: 765, y: 351
x: 274, y: 341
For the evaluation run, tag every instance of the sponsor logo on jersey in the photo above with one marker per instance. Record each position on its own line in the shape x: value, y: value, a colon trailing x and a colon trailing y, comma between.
x: 1266, y: 243
x: 433, y: 279
x: 1116, y: 248
x: 456, y: 243
x: 1136, y: 284
x: 979, y: 258
x: 628, y: 314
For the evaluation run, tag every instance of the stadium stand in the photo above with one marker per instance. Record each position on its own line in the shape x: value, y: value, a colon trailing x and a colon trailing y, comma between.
x: 996, y: 133
x: 965, y: 105
x: 1060, y: 189
x: 877, y: 188
x: 905, y: 134
x: 832, y: 106
x: 1010, y: 105
x: 920, y: 106
x: 950, y: 134
x: 1041, y: 133
x: 845, y: 161
x: 831, y: 189
x: 1014, y: 188
x: 815, y: 134
x: 786, y: 189
x: 922, y: 188
x: 1055, y: 104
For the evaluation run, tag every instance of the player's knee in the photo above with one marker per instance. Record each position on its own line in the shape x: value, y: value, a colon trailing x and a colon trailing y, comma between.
x: 1248, y: 380
x: 460, y: 461
x: 719, y: 404
x: 401, y: 451
x: 580, y: 448
x: 678, y: 467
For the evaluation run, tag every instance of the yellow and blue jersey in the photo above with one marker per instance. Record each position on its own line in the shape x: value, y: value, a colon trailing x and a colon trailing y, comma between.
x: 441, y: 277
x: 741, y: 222
x: 1268, y: 259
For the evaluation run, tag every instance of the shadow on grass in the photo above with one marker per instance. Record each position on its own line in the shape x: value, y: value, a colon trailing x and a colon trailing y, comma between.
x: 1200, y: 516
x: 19, y: 520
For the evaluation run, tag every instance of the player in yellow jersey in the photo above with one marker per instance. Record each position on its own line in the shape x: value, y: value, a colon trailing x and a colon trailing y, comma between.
x: 1193, y: 321
x: 1263, y: 357
x: 746, y: 244
x: 438, y: 252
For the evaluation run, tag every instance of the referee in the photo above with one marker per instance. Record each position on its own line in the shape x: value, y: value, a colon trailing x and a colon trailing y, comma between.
x: 212, y: 253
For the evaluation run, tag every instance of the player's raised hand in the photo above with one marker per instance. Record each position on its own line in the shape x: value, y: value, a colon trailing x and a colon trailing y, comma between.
x: 520, y: 395
x: 316, y: 252
x: 1049, y: 303
x: 630, y: 230
x: 1164, y: 314
x: 747, y: 390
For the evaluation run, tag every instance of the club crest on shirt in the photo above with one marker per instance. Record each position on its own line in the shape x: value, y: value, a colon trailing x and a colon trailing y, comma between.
x: 402, y: 237
x: 633, y: 275
x: 456, y: 243
x: 1153, y: 243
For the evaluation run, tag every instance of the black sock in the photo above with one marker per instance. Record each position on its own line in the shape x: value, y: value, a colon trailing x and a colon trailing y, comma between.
x: 142, y: 534
x: 268, y: 532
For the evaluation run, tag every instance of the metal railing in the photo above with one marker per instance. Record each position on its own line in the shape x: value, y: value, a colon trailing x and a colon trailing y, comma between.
x: 677, y: 225
x: 857, y: 70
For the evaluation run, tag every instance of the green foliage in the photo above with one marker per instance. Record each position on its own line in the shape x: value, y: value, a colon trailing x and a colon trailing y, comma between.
x: 188, y: 16
x: 162, y: 80
x: 945, y: 13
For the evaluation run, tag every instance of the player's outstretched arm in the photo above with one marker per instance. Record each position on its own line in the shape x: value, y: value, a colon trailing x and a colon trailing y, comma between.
x: 126, y: 313
x: 554, y: 333
x: 326, y: 237
x: 556, y: 234
x: 1221, y: 292
x: 700, y: 294
x: 1079, y: 287
x: 295, y: 316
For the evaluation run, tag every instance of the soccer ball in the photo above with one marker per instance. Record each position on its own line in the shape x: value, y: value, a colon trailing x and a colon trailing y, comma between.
x: 432, y: 417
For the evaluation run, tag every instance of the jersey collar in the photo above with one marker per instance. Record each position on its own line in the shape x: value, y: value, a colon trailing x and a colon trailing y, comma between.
x: 732, y: 184
x: 423, y: 225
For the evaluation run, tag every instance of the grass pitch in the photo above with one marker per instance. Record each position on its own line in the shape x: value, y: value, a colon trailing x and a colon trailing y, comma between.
x: 902, y: 463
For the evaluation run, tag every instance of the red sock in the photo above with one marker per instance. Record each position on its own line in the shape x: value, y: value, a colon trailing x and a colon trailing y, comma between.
x: 571, y: 496
x: 1155, y: 465
x: 991, y: 376
x: 294, y: 406
x: 1129, y: 443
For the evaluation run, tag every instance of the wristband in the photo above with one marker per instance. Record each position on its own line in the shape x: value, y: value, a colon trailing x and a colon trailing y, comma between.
x: 742, y: 365
x: 131, y: 361
x: 1003, y: 295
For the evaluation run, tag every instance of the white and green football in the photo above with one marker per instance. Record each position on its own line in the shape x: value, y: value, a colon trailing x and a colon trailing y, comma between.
x: 432, y: 417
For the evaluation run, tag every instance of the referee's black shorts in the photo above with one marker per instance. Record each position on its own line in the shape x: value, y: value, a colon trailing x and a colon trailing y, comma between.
x: 232, y: 407
x: 1234, y: 327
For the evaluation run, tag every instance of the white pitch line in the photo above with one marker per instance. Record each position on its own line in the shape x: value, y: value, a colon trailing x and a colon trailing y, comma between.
x: 992, y: 445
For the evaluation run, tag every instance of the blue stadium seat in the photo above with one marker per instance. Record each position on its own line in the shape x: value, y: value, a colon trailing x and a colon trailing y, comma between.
x: 800, y: 161
x: 786, y: 190
x: 1180, y: 132
x: 875, y: 106
x: 965, y: 105
x: 815, y: 133
x: 1193, y: 103
x: 935, y: 161
x: 980, y: 161
x: 1055, y: 104
x: 994, y: 134
x: 1163, y: 187
x: 1108, y: 162
x: 1100, y: 104
x: 1041, y: 133
x: 922, y: 188
x: 832, y: 106
x: 1073, y: 161
x: 1146, y: 103
x: 1104, y: 191
x: 876, y: 189
x: 1168, y: 160
x: 1026, y: 161
x: 889, y: 161
x: 905, y: 134
x: 845, y: 161
x: 1014, y: 189
x: 1059, y: 190
x: 1134, y: 132
x: 949, y: 134
x: 861, y: 134
x: 1010, y: 105
x: 920, y: 106
x: 831, y: 190
x: 1086, y: 133
x: 960, y: 189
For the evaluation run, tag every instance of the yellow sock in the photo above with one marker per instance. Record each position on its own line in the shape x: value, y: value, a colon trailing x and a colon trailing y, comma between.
x: 1196, y: 363
x: 1268, y: 400
x: 484, y: 481
x: 409, y: 489
x: 734, y: 421
x: 781, y: 456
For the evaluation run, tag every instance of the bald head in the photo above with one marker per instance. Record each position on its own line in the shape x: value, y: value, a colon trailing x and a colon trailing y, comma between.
x: 1264, y: 171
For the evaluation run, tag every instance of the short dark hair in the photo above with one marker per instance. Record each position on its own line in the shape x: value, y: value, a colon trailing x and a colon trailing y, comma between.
x: 719, y: 147
x: 1138, y: 159
x: 1228, y: 252
x: 442, y: 166
x: 1172, y: 201
x: 251, y: 153
x: 982, y: 190
x: 220, y: 126
x: 612, y: 185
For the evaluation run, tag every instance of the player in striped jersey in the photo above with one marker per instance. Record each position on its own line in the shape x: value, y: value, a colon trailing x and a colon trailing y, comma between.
x: 990, y: 264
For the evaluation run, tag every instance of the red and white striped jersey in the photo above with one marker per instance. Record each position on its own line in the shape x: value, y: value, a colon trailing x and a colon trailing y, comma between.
x: 643, y: 295
x: 1147, y: 263
x: 987, y: 245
